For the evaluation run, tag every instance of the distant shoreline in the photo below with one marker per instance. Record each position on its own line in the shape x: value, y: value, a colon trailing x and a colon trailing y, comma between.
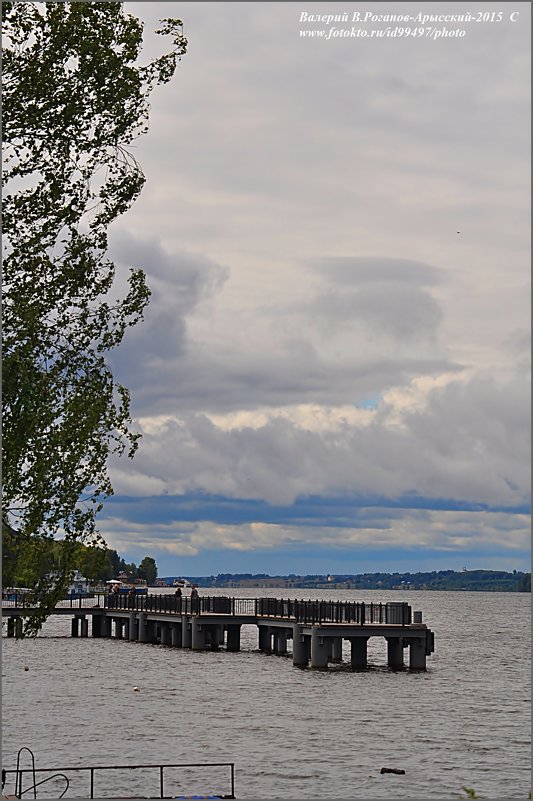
x: 468, y: 580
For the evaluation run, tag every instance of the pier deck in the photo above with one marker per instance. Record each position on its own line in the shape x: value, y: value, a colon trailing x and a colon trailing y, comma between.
x: 316, y: 628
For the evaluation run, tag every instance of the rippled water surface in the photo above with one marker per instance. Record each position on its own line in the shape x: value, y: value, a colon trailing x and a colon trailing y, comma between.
x: 293, y: 733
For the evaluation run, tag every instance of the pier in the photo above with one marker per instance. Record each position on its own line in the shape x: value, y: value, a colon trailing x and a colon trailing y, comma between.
x: 316, y: 629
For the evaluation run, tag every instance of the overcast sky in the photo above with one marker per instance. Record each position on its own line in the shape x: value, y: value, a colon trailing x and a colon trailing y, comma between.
x: 333, y: 373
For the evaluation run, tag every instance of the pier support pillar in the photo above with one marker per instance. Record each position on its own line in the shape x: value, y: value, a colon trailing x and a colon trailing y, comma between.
x: 118, y: 628
x: 300, y: 646
x: 84, y: 627
x: 280, y: 641
x: 165, y: 633
x: 11, y: 627
x: 234, y: 638
x: 133, y: 627
x: 358, y: 654
x: 175, y: 635
x: 126, y: 628
x: 319, y: 649
x: 417, y: 654
x: 185, y: 632
x: 394, y: 652
x: 142, y: 627
x: 105, y: 626
x: 265, y: 639
x: 336, y: 649
x: 74, y: 627
x: 18, y: 628
x: 197, y: 634
x: 96, y: 627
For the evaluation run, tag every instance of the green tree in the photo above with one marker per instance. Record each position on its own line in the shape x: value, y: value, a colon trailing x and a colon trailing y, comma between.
x: 75, y: 98
x: 148, y: 569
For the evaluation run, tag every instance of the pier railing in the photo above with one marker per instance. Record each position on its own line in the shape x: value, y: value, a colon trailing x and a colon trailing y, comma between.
x: 301, y: 611
x: 28, y: 600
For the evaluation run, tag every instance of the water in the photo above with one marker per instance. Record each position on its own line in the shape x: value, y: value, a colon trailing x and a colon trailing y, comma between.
x: 292, y: 733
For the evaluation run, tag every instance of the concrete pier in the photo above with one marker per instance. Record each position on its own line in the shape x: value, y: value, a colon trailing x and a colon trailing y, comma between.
x: 417, y: 654
x: 395, y: 652
x: 175, y: 635
x: 317, y: 628
x: 280, y: 641
x: 265, y: 639
x: 319, y: 649
x: 185, y: 632
x: 142, y: 634
x: 233, y: 638
x: 133, y: 627
x: 358, y: 652
x: 197, y: 634
x: 336, y: 649
x: 300, y: 646
x: 165, y: 634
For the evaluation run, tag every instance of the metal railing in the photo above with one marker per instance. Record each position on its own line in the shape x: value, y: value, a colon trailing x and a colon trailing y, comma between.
x: 89, y: 792
x: 301, y: 611
x: 29, y: 601
x: 307, y: 612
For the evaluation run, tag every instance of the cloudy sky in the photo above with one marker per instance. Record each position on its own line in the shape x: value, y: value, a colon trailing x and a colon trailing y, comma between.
x: 333, y: 373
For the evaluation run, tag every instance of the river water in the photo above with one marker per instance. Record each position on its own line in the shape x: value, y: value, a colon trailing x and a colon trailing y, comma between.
x: 292, y: 733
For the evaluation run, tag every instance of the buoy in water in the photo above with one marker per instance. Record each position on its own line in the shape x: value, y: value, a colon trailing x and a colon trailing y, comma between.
x: 26, y: 667
x: 136, y: 690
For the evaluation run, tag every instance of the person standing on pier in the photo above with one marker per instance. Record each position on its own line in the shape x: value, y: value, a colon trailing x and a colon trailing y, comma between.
x: 194, y: 599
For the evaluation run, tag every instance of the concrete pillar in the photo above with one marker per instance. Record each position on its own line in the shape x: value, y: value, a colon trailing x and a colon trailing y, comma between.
x: 84, y: 627
x: 105, y: 627
x: 133, y: 627
x: 394, y: 652
x: 165, y: 633
x: 142, y: 627
x: 319, y: 649
x: 11, y: 627
x: 265, y: 639
x: 358, y: 655
x: 74, y: 627
x: 300, y: 646
x: 175, y: 635
x: 336, y: 649
x: 96, y: 628
x: 234, y: 638
x: 213, y: 636
x: 197, y: 634
x: 18, y: 628
x: 185, y: 632
x: 126, y: 628
x: 118, y: 628
x: 417, y: 617
x: 152, y: 627
x: 280, y: 641
x: 417, y: 653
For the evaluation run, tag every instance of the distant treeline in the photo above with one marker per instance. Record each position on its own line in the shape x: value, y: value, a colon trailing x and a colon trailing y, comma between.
x: 473, y: 580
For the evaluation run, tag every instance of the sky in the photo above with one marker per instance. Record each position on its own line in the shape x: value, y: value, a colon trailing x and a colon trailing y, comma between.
x: 333, y: 373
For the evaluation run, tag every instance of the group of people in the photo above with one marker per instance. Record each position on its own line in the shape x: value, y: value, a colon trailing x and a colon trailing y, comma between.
x: 179, y: 593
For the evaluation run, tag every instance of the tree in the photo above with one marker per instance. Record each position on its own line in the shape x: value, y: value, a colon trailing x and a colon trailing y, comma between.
x: 75, y: 98
x: 148, y: 570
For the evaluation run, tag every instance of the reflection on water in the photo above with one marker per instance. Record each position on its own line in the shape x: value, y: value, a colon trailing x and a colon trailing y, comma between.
x: 292, y: 733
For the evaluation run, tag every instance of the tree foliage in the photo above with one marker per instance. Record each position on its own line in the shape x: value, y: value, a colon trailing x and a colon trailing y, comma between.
x: 74, y: 99
x: 148, y: 569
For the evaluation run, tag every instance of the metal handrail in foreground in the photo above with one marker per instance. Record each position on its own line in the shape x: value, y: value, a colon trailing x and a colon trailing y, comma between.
x: 92, y: 769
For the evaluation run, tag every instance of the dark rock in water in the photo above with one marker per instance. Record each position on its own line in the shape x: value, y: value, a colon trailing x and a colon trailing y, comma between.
x: 393, y: 770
